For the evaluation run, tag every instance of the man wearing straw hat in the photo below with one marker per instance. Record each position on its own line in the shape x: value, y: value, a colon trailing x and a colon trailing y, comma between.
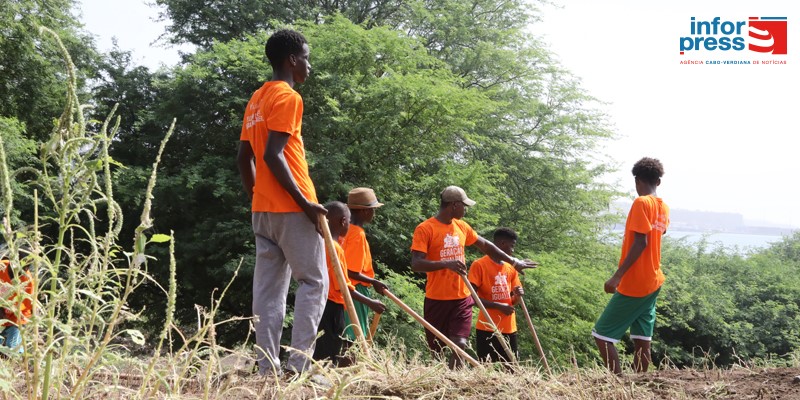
x: 437, y: 249
x: 362, y: 203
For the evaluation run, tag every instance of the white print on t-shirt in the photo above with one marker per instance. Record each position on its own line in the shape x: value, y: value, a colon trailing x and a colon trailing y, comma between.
x: 661, y: 222
x: 500, y: 288
x: 5, y: 290
x: 452, y: 249
x: 254, y: 118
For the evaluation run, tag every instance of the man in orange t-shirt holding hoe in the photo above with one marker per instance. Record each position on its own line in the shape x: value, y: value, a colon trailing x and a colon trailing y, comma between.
x: 285, y: 210
x: 638, y: 278
x: 437, y: 249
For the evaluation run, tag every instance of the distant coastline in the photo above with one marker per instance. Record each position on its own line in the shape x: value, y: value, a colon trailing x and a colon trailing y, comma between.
x: 709, y: 222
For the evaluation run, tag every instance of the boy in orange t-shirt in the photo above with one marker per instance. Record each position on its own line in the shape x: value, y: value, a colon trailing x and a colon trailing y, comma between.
x: 14, y: 311
x: 285, y: 214
x: 330, y: 343
x: 437, y: 249
x: 638, y: 279
x: 362, y: 203
x: 498, y: 286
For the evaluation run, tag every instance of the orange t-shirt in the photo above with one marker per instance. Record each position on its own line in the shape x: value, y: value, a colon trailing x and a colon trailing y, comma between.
x: 277, y: 107
x: 356, y: 251
x: 649, y: 215
x: 442, y: 242
x: 7, y: 291
x: 334, y: 294
x: 494, y: 282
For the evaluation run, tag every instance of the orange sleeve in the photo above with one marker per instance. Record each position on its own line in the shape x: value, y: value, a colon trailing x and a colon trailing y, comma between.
x: 354, y: 252
x: 282, y: 116
x: 471, y: 235
x: 421, y: 239
x: 639, y: 221
x: 515, y: 278
x: 475, y: 274
x: 334, y: 282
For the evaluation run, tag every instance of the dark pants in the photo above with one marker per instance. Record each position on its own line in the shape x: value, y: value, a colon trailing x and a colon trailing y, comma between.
x: 453, y: 318
x: 489, y: 347
x: 329, y: 345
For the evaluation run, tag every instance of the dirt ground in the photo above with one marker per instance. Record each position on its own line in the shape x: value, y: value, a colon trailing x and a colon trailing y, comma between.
x: 437, y: 383
x: 756, y: 383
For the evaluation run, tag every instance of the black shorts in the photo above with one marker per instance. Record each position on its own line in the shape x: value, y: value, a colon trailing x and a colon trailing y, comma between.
x: 329, y: 345
x: 489, y: 347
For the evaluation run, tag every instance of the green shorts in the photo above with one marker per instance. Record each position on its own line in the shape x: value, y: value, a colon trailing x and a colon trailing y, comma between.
x: 362, y: 310
x: 623, y: 312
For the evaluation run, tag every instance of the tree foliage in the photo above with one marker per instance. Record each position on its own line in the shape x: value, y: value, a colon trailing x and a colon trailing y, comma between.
x: 31, y: 71
x: 405, y: 97
x: 725, y: 307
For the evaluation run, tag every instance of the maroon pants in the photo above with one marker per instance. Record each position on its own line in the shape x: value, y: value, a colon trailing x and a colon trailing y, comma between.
x: 451, y: 317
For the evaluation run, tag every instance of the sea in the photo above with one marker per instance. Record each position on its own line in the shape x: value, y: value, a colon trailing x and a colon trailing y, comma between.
x: 739, y: 242
x: 742, y: 241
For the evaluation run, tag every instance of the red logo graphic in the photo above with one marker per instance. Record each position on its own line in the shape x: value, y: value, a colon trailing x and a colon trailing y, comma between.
x: 767, y: 35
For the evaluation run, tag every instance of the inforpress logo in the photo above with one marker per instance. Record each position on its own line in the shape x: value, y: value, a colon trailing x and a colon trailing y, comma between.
x: 768, y: 34
x: 757, y: 34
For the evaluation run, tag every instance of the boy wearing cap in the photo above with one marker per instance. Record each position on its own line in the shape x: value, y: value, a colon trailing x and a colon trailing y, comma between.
x: 638, y: 279
x: 362, y: 203
x: 285, y: 212
x: 437, y: 249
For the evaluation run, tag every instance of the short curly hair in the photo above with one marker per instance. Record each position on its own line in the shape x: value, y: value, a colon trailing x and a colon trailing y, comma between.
x: 648, y: 169
x: 505, y: 233
x: 283, y: 43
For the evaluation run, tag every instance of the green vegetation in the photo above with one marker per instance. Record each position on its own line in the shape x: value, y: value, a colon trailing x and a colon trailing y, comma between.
x: 405, y: 97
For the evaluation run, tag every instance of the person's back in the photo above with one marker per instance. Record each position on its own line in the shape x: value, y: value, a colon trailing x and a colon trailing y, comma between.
x: 637, y: 281
x: 648, y: 214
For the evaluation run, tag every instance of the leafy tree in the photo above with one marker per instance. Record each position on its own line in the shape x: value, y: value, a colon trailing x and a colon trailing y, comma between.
x: 31, y: 71
x: 205, y: 23
x: 461, y: 98
x: 721, y: 306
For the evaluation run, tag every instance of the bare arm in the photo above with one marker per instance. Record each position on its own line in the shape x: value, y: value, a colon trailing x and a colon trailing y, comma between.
x: 276, y: 161
x: 247, y: 167
x: 491, y: 250
x: 638, y: 246
x: 420, y: 264
x: 358, y: 276
x: 373, y: 304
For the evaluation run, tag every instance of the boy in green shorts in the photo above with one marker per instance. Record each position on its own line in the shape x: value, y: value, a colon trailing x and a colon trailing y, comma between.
x: 638, y: 279
x: 362, y: 203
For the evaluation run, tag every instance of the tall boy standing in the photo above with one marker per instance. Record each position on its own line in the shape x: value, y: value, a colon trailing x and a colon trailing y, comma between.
x: 498, y: 286
x: 638, y: 278
x: 362, y: 203
x: 274, y: 173
x: 437, y: 249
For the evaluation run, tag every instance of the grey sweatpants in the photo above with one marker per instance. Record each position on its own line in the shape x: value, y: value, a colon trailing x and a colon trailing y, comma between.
x: 287, y: 246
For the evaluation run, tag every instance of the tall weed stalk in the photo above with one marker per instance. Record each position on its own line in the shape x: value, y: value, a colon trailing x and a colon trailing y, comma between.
x: 84, y: 278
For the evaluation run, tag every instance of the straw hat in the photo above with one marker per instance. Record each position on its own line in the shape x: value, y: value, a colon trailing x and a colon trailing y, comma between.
x: 362, y: 198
